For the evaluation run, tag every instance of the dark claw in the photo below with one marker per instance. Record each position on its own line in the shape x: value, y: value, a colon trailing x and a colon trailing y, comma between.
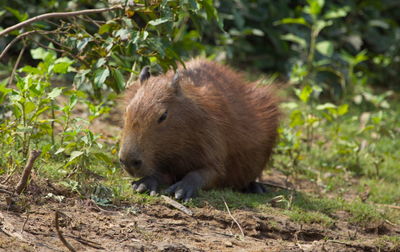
x: 254, y: 187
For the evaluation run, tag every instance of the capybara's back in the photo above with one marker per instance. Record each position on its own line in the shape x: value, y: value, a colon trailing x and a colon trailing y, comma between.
x: 203, y: 127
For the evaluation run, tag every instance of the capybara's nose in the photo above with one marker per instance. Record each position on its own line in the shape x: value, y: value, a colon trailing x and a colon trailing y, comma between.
x: 131, y: 162
x: 136, y: 163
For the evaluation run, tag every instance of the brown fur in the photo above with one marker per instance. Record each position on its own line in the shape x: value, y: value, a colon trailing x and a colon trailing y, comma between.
x: 218, y: 124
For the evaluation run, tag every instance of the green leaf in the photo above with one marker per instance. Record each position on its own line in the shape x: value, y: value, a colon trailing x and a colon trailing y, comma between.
x: 158, y: 21
x: 61, y: 65
x: 75, y: 154
x: 39, y: 53
x: 73, y: 100
x: 31, y: 70
x: 29, y: 107
x: 379, y: 23
x: 360, y: 57
x: 60, y: 150
x: 4, y: 90
x: 103, y: 157
x: 296, y: 39
x: 326, y: 106
x: 107, y: 27
x: 296, y: 119
x: 40, y: 111
x: 54, y: 93
x: 82, y: 43
x: 305, y: 93
x: 100, y: 62
x: 337, y: 13
x: 325, y: 48
x: 300, y: 21
x: 258, y: 32
x: 100, y: 76
x: 212, y: 13
x: 119, y: 80
x: 289, y: 105
x: 314, y: 7
x: 123, y: 34
x: 343, y: 109
x: 321, y: 24
x: 20, y: 16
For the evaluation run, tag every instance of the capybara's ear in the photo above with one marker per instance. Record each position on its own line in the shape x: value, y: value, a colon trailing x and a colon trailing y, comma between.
x: 144, y: 74
x: 175, y: 82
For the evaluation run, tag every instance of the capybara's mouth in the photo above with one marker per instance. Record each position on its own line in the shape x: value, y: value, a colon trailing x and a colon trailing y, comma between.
x: 129, y: 170
x: 134, y: 172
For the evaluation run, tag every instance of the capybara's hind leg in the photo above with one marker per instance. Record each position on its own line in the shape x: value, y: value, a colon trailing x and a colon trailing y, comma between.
x: 254, y: 187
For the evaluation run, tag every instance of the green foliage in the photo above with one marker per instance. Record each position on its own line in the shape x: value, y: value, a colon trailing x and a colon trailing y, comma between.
x: 36, y: 119
x: 119, y: 43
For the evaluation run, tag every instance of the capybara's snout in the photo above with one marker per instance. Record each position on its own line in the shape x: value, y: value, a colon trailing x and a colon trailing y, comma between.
x: 131, y: 160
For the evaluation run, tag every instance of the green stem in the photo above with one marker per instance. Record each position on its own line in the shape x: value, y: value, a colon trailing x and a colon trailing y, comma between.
x: 24, y: 141
x: 65, y: 127
x: 52, y: 122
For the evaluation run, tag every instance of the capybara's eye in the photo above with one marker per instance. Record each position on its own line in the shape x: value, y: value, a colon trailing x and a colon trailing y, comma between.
x: 163, y: 117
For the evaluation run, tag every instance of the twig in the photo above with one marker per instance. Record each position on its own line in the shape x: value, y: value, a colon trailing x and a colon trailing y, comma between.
x: 102, y: 209
x: 16, y: 65
x: 60, y: 235
x: 233, y: 218
x: 91, y: 21
x: 26, y: 220
x: 389, y: 206
x: 14, y: 41
x: 57, y: 15
x: 33, y: 155
x: 177, y: 205
x: 8, y: 192
x: 23, y: 35
x: 63, y: 51
x: 77, y: 238
x: 276, y: 185
x: 86, y: 242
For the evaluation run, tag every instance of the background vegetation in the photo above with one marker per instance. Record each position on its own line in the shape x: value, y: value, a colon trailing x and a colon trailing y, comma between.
x: 340, y: 61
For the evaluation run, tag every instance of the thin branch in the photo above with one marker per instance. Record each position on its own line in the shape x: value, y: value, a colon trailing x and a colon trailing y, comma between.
x: 14, y: 41
x: 177, y: 205
x: 10, y: 81
x: 86, y: 242
x: 271, y: 184
x: 33, y: 155
x: 233, y: 218
x: 63, y: 51
x: 23, y: 35
x: 96, y: 23
x: 26, y: 220
x: 389, y: 206
x: 60, y: 235
x: 57, y: 15
x: 8, y: 192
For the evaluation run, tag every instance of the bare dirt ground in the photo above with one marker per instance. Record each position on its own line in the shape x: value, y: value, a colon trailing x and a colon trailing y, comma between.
x: 29, y: 225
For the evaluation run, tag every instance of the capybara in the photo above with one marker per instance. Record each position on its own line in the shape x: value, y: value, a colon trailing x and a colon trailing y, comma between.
x: 202, y: 127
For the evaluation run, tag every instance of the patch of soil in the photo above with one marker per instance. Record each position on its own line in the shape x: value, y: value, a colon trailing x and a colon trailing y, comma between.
x: 30, y: 226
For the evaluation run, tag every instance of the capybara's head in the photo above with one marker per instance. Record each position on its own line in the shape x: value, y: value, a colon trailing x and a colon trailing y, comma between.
x: 155, y: 123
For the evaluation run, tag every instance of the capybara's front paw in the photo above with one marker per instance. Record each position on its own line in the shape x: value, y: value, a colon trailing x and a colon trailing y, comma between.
x: 254, y: 187
x: 183, y: 190
x: 146, y: 184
